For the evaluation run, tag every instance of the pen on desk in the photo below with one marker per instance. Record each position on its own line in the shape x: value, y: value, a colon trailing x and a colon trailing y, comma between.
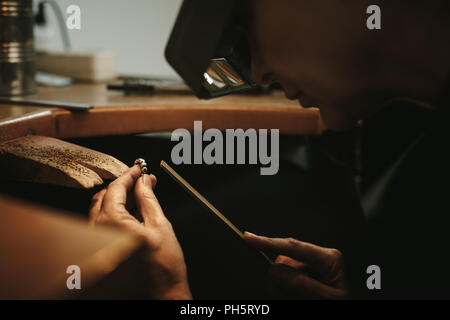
x: 134, y: 86
x: 149, y: 87
x: 46, y: 103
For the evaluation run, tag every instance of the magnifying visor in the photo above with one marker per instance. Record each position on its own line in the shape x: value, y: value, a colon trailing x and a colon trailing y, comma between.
x: 209, y: 47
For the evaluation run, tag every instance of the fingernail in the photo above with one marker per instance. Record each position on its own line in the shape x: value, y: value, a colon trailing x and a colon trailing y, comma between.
x: 250, y: 234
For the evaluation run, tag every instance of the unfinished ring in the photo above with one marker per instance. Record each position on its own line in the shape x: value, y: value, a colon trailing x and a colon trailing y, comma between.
x: 139, y: 161
x: 142, y: 164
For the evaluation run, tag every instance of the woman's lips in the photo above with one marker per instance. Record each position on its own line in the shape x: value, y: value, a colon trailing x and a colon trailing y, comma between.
x: 293, y: 96
x: 301, y: 98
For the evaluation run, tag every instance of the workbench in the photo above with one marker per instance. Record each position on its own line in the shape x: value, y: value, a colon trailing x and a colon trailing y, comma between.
x: 292, y: 203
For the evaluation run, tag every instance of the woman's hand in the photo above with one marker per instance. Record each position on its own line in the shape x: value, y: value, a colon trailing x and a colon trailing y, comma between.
x: 166, y: 266
x: 304, y: 270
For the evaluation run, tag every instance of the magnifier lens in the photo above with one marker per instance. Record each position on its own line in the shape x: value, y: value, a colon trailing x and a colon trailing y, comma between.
x: 212, y: 81
x: 221, y: 76
x: 229, y: 73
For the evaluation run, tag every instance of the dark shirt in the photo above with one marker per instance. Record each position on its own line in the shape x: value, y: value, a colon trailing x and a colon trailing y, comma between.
x: 408, y: 221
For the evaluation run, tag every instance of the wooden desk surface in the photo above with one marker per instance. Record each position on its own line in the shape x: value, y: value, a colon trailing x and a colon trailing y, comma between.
x: 38, y: 244
x: 116, y: 114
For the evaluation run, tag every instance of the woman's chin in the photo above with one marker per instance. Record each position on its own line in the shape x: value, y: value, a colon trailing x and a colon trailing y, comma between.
x: 335, y: 121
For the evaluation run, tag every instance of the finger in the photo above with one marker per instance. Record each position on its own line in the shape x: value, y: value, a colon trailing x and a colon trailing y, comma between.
x: 291, y: 262
x: 146, y: 201
x: 96, y: 205
x: 153, y: 180
x: 116, y: 193
x: 302, y: 251
x: 300, y: 284
x: 131, y: 201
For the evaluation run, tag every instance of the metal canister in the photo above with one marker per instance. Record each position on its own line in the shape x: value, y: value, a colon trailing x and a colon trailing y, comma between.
x: 17, y: 57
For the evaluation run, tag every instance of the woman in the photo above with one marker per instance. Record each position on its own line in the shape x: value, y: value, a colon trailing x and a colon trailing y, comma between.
x: 324, y: 55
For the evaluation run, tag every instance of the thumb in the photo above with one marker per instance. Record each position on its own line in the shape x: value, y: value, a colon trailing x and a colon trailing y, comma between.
x: 146, y: 201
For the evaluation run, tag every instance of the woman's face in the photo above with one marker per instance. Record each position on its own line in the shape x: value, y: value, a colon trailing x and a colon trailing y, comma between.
x: 318, y: 51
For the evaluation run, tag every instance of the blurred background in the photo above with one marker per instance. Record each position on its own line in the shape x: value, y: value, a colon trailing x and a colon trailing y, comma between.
x: 135, y: 31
